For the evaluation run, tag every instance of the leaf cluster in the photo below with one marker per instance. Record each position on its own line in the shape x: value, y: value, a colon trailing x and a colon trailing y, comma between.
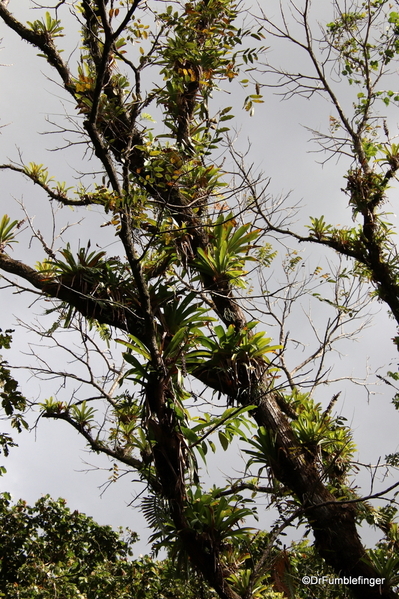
x: 13, y: 403
x: 230, y: 249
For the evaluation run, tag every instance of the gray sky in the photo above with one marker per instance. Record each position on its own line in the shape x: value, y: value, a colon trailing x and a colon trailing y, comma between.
x: 52, y: 459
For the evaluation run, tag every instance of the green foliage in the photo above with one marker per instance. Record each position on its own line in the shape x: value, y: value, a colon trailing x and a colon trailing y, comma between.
x: 201, y: 52
x: 139, y: 373
x: 319, y: 228
x: 301, y: 560
x: 181, y: 320
x: 387, y: 566
x: 83, y: 414
x: 216, y: 518
x: 229, y: 425
x: 94, y: 274
x: 48, y: 26
x: 362, y: 63
x: 86, y: 262
x: 229, y: 348
x: 229, y: 252
x: 265, y: 452
x: 13, y: 402
x: 47, y: 550
x: 51, y: 406
x: 323, y: 435
x: 163, y: 580
x: 242, y: 581
x: 266, y: 254
x: 38, y: 173
x: 363, y: 43
x: 7, y: 231
x: 126, y: 432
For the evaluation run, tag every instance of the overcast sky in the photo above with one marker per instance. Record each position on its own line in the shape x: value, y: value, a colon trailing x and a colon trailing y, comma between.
x: 52, y: 459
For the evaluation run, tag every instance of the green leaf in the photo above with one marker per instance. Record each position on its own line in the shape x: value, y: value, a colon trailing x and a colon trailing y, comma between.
x: 136, y: 345
x: 224, y: 441
x: 7, y: 231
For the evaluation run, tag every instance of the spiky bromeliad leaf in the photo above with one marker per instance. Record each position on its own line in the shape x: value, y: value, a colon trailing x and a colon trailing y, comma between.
x: 7, y: 232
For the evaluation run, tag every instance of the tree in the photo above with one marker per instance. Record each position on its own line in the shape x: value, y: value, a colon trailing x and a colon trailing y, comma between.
x: 48, y: 551
x: 359, y: 46
x: 176, y: 297
x: 12, y: 401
